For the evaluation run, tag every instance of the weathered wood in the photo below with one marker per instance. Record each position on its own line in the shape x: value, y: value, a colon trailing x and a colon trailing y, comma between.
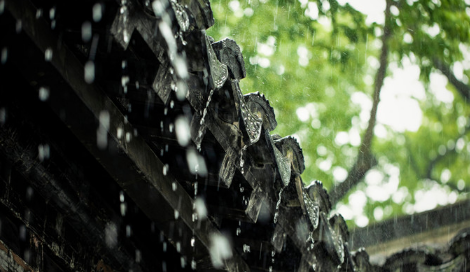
x: 145, y: 179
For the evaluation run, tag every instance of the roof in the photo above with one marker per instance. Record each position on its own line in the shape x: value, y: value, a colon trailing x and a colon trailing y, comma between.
x: 125, y: 125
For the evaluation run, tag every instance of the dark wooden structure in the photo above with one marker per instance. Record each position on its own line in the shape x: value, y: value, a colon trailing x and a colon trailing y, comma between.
x: 126, y: 144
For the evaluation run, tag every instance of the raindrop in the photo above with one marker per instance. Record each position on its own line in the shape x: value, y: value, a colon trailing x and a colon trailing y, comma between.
x: 172, y: 104
x: 44, y: 152
x: 38, y: 13
x: 166, y: 168
x: 196, y: 163
x: 19, y: 26
x: 125, y: 36
x: 29, y: 193
x: 123, y: 209
x: 242, y: 189
x: 52, y: 13
x: 48, y: 54
x: 27, y: 256
x: 138, y: 256
x: 86, y: 31
x: 4, y: 56
x: 2, y: 6
x: 97, y: 12
x: 171, y: 128
x: 219, y: 249
x: 101, y: 133
x: 53, y: 24
x: 193, y: 264
x: 178, y: 246
x: 246, y: 248
x: 124, y: 80
x: 270, y: 269
x: 124, y: 64
x: 238, y: 231
x: 89, y: 72
x: 193, y: 241
x: 164, y: 246
x: 121, y: 196
x: 120, y: 132
x: 3, y: 116
x: 23, y: 232
x: 183, y: 134
x: 43, y: 93
x: 111, y: 235
x: 128, y: 231
x: 200, y: 207
x: 173, y: 186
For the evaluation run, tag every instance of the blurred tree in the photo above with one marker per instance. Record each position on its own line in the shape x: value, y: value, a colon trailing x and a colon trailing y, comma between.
x: 346, y: 85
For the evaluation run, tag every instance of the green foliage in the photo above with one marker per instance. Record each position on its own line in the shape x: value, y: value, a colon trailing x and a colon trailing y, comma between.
x: 313, y: 68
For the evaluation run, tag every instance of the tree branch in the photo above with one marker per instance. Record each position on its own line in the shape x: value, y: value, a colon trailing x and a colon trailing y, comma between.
x: 461, y: 87
x: 365, y: 159
x: 428, y: 174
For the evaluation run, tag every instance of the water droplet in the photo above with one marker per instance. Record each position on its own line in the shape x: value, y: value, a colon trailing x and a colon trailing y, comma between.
x: 43, y: 93
x: 120, y: 132
x: 124, y: 80
x: 123, y: 209
x: 111, y: 235
x: 219, y: 249
x: 238, y: 231
x: 38, y: 13
x: 183, y: 134
x: 193, y: 241
x: 44, y: 152
x: 128, y: 137
x: 2, y: 6
x: 52, y: 13
x: 97, y: 12
x: 193, y: 264
x: 172, y: 104
x: 200, y: 207
x: 86, y: 31
x: 19, y: 26
x: 242, y: 189
x: 246, y: 248
x: 89, y: 72
x: 48, y: 54
x: 121, y: 196
x: 164, y: 246
x: 4, y: 56
x: 171, y: 127
x: 125, y: 36
x: 183, y: 261
x: 128, y: 231
x: 166, y: 167
x: 178, y: 246
x: 173, y: 186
